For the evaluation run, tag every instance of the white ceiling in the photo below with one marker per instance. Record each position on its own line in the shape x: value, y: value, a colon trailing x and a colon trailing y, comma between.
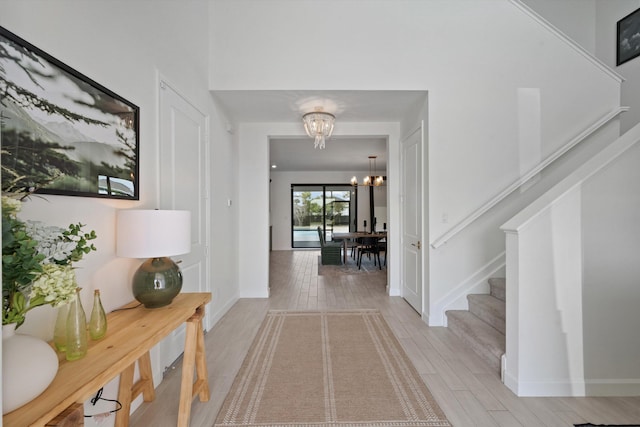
x: 341, y: 153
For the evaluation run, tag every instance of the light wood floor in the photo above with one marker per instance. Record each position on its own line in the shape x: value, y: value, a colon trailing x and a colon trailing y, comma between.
x: 464, y: 386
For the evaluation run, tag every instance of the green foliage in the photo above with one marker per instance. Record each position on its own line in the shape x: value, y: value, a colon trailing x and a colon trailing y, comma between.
x: 128, y: 151
x: 73, y: 183
x: 16, y: 309
x: 28, y: 162
x: 305, y: 210
x: 75, y: 234
x: 20, y: 266
x: 112, y: 171
x: 20, y: 260
x: 31, y: 278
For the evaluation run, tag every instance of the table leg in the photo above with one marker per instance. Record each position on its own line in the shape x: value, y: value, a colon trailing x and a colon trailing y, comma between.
x: 194, y: 359
x: 128, y: 391
x: 201, y: 386
x: 344, y: 251
x: 145, y: 383
x: 124, y: 396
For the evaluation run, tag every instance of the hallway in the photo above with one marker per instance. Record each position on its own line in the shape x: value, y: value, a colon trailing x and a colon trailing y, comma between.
x: 467, y: 390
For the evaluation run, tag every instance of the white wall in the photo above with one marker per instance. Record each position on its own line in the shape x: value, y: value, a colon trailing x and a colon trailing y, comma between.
x: 593, y: 24
x: 122, y: 45
x: 545, y: 354
x: 572, y: 274
x: 575, y: 18
x: 472, y: 57
x: 608, y: 13
x: 224, y: 216
x: 253, y: 209
x: 610, y: 232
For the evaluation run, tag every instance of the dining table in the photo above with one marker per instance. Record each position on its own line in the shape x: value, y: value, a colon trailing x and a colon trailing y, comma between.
x: 352, y: 235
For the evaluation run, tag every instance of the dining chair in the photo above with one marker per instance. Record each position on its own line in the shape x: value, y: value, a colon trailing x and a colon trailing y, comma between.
x: 382, y: 247
x: 353, y: 245
x: 330, y: 252
x: 369, y: 246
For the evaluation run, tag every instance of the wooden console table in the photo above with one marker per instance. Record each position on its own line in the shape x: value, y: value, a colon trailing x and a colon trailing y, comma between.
x: 130, y: 335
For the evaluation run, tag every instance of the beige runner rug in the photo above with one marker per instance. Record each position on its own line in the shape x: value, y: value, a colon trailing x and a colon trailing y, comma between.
x: 337, y: 368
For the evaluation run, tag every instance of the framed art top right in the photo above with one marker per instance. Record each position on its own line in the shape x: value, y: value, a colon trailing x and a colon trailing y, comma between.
x: 628, y: 42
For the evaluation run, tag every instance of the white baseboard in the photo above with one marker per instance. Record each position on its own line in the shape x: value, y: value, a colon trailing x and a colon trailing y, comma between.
x: 565, y: 388
x: 613, y: 387
x: 394, y: 291
x: 576, y: 388
x: 215, y: 317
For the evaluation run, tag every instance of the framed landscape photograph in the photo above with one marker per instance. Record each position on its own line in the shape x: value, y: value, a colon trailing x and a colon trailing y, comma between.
x: 61, y: 132
x: 628, y: 38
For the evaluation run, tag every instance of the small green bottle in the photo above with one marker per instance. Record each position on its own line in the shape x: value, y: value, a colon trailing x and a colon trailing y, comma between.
x: 60, y: 330
x: 98, y: 322
x: 76, y: 329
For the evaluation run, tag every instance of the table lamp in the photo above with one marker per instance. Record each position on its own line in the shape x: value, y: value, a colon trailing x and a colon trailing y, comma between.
x: 156, y: 235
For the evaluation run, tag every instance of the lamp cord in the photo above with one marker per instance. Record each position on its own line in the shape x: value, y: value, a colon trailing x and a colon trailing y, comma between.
x: 103, y: 415
x: 127, y: 308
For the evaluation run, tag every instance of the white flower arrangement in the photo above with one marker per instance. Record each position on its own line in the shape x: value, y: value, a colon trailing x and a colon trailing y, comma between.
x: 56, y: 285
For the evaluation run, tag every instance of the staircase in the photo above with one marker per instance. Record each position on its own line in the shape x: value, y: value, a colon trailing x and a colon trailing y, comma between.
x: 482, y: 327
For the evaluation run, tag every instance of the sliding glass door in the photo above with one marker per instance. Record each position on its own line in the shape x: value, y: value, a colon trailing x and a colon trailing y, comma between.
x: 330, y: 207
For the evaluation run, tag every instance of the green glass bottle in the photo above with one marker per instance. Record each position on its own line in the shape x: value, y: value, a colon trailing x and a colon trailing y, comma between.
x: 60, y: 330
x: 98, y: 320
x: 76, y: 329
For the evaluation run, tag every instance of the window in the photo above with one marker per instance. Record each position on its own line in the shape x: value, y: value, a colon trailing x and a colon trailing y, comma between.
x: 332, y: 207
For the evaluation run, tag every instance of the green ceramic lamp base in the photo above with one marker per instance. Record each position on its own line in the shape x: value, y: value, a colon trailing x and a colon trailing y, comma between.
x: 157, y: 282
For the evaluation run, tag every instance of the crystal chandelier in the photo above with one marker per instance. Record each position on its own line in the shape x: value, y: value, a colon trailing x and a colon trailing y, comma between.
x: 318, y: 125
x: 373, y: 179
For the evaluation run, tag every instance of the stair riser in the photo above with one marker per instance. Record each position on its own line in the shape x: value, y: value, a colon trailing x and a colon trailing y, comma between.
x: 492, y: 360
x: 497, y: 288
x: 489, y: 316
x: 482, y: 327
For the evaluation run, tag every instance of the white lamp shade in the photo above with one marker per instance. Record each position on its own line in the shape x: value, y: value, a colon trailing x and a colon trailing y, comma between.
x: 152, y: 233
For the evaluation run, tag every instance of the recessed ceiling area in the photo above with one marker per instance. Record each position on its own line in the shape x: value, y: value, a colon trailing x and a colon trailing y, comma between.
x: 341, y: 153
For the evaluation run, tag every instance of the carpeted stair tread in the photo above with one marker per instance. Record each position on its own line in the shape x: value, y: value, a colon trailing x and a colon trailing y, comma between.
x: 489, y: 309
x: 486, y: 341
x: 497, y: 287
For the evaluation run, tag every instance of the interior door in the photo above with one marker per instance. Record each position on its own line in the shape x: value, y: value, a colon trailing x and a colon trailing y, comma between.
x: 184, y: 185
x: 411, y: 224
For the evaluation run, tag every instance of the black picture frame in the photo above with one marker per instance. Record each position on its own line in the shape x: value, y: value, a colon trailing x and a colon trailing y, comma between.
x: 628, y: 41
x: 60, y: 131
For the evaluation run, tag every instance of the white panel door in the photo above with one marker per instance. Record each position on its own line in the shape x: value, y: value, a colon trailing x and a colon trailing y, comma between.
x: 411, y: 225
x: 184, y: 185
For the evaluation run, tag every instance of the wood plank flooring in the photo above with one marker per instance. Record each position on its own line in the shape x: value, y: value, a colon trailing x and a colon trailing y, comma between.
x: 468, y: 391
